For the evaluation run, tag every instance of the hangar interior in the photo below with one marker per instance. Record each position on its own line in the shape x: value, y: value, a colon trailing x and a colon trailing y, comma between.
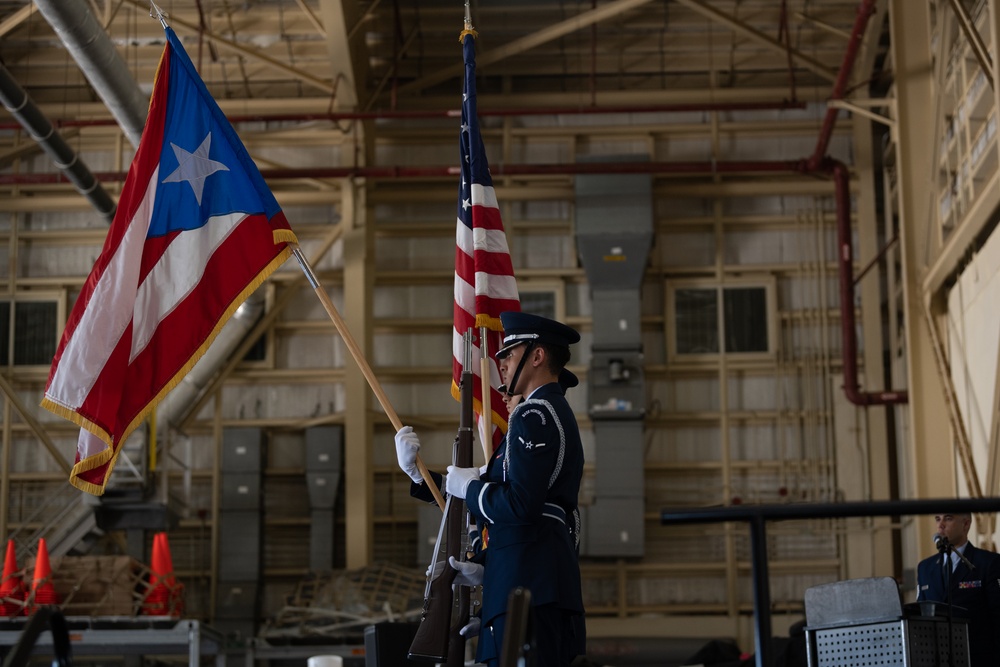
x: 800, y: 196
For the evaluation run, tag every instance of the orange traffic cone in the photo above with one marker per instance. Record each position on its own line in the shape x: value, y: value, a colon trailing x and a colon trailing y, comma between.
x: 11, y: 586
x: 42, y: 590
x: 163, y: 563
x: 165, y: 594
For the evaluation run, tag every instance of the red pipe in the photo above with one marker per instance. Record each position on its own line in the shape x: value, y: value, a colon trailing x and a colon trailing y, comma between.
x: 53, y: 178
x: 457, y: 113
x: 819, y: 162
x: 865, y: 11
x: 845, y: 263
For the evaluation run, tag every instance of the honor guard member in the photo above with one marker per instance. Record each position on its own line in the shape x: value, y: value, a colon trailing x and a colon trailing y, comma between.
x: 974, y: 592
x: 525, y: 498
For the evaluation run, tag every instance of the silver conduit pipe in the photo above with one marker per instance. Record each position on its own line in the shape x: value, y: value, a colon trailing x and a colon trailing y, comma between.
x: 20, y: 105
x: 98, y: 59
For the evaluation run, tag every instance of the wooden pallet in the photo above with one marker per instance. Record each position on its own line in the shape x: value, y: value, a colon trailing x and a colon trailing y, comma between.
x: 344, y: 602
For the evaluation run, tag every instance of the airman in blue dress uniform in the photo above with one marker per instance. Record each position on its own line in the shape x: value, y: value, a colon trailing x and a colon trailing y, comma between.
x: 975, y: 591
x: 526, y: 498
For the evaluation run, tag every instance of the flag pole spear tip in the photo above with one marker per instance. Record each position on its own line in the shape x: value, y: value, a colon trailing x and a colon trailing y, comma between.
x: 157, y: 13
x: 468, y: 30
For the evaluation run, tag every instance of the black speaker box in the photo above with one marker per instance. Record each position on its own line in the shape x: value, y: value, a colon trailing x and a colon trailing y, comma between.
x: 387, y: 644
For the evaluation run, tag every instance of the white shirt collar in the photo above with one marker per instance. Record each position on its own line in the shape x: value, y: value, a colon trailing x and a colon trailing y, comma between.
x: 953, y: 555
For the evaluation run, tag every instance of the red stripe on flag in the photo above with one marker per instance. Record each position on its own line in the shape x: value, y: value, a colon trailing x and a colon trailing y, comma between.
x: 487, y: 217
x: 493, y: 263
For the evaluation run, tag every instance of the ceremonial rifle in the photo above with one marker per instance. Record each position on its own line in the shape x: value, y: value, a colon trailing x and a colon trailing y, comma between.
x: 445, y: 610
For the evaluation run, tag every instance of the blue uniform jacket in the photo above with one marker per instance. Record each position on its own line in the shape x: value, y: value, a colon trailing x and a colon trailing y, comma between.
x: 527, y: 503
x: 976, y: 591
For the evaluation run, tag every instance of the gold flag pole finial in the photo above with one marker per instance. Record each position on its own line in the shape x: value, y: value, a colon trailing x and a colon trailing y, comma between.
x: 468, y: 30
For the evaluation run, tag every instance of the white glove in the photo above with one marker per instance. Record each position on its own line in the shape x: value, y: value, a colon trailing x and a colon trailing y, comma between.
x: 469, y: 573
x: 471, y: 629
x: 407, y: 446
x: 458, y: 480
x: 434, y: 571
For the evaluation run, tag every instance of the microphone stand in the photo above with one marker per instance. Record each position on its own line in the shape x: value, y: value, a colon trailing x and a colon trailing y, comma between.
x: 945, y: 547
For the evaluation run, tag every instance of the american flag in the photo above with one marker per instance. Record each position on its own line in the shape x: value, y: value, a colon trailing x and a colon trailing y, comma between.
x: 196, y: 231
x: 484, y: 275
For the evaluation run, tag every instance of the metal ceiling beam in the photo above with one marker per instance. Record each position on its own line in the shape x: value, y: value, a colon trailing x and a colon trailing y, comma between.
x: 497, y: 103
x: 313, y: 18
x: 963, y: 444
x: 525, y: 43
x: 36, y: 427
x: 17, y: 18
x: 348, y: 65
x: 968, y: 27
x: 739, y: 26
x: 334, y: 117
x: 822, y: 25
x: 219, y: 40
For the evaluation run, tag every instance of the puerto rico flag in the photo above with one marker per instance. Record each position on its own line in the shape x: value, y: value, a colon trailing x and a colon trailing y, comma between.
x: 196, y: 232
x: 484, y: 275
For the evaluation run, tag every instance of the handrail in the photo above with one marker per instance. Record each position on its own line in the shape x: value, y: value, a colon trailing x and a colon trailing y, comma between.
x: 55, y: 508
x: 757, y: 515
x: 45, y: 618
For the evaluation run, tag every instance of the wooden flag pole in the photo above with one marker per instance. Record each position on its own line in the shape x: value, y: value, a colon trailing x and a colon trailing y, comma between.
x: 366, y: 370
x: 486, y: 417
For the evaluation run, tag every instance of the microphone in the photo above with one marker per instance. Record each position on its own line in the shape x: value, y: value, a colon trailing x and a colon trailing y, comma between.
x: 944, y: 546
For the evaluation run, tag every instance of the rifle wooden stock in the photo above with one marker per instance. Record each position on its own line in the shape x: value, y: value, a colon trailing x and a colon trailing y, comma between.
x: 438, y: 638
x: 432, y: 640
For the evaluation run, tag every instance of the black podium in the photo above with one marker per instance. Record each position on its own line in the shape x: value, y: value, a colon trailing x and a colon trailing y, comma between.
x: 861, y: 622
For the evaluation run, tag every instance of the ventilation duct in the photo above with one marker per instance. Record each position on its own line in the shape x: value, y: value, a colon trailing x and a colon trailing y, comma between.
x: 91, y: 48
x: 614, y: 231
x: 17, y: 101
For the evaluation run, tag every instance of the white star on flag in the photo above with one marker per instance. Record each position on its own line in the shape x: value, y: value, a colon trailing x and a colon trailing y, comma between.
x: 194, y: 168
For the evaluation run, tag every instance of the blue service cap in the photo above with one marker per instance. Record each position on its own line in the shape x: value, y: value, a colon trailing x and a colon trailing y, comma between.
x: 524, y: 327
x: 568, y: 379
